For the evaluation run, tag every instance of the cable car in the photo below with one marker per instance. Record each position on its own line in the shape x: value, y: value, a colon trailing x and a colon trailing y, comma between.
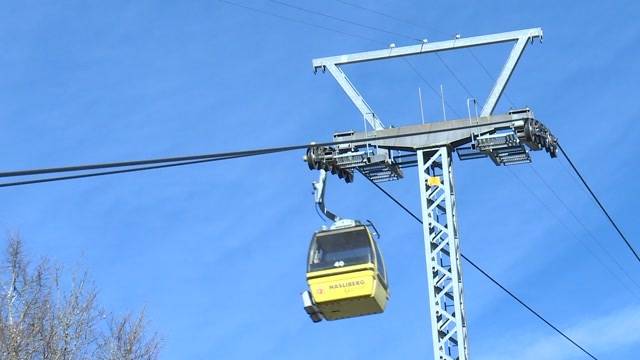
x: 345, y: 273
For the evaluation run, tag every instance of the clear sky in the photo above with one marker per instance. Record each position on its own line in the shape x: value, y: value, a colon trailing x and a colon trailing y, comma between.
x: 215, y: 253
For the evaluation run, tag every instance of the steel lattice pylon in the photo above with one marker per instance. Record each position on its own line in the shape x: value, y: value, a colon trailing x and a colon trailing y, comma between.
x: 442, y: 252
x: 382, y: 153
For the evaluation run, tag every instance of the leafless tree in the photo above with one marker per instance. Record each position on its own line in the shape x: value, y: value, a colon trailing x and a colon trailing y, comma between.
x: 43, y: 317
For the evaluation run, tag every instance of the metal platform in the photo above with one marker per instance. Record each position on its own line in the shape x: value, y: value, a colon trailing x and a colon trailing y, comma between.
x: 375, y: 164
x: 503, y: 148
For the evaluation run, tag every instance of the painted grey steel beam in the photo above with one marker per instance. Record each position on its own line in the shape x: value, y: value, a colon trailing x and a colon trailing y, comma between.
x: 355, y: 96
x: 442, y: 133
x: 505, y: 75
x: 333, y: 63
x: 427, y: 48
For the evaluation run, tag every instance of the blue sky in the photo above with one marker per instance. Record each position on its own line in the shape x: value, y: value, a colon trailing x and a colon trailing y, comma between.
x: 215, y: 253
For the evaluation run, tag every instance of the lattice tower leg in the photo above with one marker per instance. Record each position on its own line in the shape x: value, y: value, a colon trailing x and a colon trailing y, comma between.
x: 442, y: 251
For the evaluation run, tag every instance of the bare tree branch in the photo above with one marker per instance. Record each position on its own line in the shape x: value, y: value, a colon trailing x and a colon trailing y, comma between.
x: 40, y: 319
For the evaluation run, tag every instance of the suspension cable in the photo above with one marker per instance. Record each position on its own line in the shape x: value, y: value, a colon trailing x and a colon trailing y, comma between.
x: 186, y: 160
x: 374, y: 11
x: 282, y: 17
x: 597, y: 201
x: 492, y: 279
x: 347, y: 21
x: 560, y: 220
x: 123, y: 171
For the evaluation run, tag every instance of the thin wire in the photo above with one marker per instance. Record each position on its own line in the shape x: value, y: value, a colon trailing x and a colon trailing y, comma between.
x: 435, y: 91
x: 347, y: 21
x: 358, y: 6
x: 377, y: 42
x: 349, y: 34
x: 488, y: 73
x: 454, y: 75
x: 432, y: 30
x: 528, y: 307
x: 491, y: 278
x: 296, y: 20
x: 449, y: 69
x: 595, y: 198
x: 578, y: 238
x: 582, y: 224
x: 213, y: 156
x: 393, y: 199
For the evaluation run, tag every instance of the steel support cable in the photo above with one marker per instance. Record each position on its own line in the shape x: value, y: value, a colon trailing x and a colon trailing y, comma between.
x: 435, y: 91
x: 455, y: 76
x: 582, y: 224
x: 341, y: 32
x: 444, y: 63
x: 516, y: 298
x: 224, y: 155
x: 489, y: 75
x: 346, y: 21
x: 572, y: 175
x: 450, y: 70
x: 264, y: 12
x: 123, y: 171
x: 358, y: 6
x: 492, y: 279
x: 578, y: 238
x: 595, y: 198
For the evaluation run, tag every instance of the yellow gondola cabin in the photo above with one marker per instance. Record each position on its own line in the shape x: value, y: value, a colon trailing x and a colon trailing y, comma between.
x: 345, y: 273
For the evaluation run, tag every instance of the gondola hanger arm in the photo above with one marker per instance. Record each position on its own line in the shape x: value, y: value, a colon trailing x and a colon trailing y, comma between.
x: 318, y: 189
